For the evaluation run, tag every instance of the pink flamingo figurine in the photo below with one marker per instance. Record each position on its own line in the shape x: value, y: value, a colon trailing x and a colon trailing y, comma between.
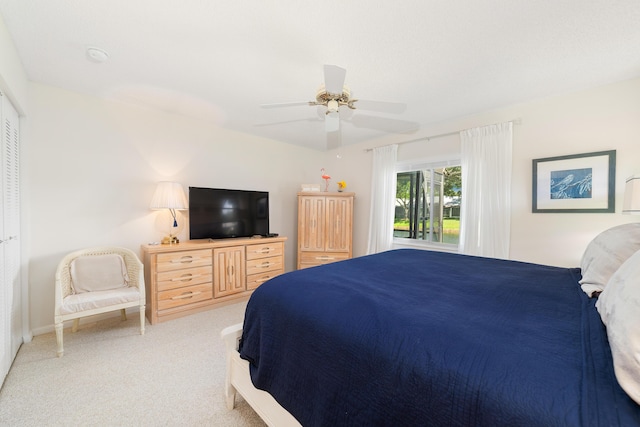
x: 326, y: 179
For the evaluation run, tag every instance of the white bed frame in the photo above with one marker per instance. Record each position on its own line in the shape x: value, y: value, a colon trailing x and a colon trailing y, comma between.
x: 238, y: 380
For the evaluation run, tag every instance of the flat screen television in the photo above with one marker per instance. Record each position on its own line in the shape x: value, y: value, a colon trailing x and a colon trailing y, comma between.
x: 216, y: 213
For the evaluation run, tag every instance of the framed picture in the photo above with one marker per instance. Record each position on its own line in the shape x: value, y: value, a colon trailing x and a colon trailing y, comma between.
x: 577, y: 183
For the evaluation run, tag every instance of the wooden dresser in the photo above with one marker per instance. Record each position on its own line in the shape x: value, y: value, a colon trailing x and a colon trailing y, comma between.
x: 189, y: 277
x: 325, y: 227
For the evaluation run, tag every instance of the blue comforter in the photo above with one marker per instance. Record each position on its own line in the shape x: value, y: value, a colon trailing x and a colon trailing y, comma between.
x: 410, y: 337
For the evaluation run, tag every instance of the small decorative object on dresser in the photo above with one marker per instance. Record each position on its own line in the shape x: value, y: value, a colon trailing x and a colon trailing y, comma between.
x: 310, y: 187
x: 326, y: 178
x: 190, y: 277
x: 325, y: 227
x: 341, y: 186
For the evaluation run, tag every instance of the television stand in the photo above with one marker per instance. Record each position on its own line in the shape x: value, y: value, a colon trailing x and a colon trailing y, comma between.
x: 194, y: 276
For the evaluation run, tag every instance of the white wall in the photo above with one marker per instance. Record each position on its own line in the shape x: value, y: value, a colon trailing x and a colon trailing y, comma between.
x: 94, y: 165
x: 605, y: 118
x: 13, y: 79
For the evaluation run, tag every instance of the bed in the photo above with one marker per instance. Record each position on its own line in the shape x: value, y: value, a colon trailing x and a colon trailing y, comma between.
x: 413, y: 337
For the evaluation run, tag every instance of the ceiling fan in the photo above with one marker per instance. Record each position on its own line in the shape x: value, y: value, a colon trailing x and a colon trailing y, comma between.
x: 333, y: 94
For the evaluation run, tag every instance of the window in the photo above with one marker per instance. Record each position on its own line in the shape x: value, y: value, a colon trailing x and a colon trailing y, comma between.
x: 428, y: 200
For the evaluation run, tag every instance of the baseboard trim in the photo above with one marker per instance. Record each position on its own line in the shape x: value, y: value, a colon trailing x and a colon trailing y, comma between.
x: 102, y: 316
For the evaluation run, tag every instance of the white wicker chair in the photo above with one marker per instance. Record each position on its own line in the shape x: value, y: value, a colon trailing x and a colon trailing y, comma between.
x: 73, y: 306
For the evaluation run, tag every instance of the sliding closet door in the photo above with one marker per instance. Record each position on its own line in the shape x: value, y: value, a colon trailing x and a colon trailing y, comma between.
x: 10, y: 288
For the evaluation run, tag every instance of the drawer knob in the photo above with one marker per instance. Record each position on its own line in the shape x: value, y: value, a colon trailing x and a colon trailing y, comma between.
x: 186, y: 295
x: 185, y: 277
x: 186, y: 259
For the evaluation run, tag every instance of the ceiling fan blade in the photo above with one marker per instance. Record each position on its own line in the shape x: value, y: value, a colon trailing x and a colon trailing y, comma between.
x: 347, y: 113
x: 285, y: 104
x: 384, y: 124
x: 286, y: 122
x: 334, y: 140
x: 334, y: 78
x: 384, y: 107
x: 332, y: 122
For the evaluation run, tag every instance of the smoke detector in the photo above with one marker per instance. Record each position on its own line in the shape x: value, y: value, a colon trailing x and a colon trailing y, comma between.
x: 98, y: 55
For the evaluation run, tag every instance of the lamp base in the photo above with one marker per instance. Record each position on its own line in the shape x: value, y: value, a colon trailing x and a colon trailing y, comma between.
x: 170, y: 240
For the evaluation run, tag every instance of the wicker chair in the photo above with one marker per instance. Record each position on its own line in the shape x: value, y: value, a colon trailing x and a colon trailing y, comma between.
x: 72, y: 301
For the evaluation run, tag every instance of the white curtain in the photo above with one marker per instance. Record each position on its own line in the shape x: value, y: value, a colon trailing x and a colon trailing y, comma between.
x: 485, y: 211
x: 383, y: 198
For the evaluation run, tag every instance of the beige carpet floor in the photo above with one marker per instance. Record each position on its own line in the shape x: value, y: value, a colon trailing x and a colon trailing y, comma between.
x: 110, y: 375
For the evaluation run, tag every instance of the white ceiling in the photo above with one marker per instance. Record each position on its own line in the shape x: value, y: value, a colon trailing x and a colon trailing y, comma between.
x: 219, y: 61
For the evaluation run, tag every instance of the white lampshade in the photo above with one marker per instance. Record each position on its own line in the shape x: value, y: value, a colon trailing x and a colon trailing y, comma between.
x: 169, y: 195
x: 631, y: 204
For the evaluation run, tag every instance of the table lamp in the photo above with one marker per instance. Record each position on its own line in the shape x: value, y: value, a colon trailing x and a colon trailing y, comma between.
x: 631, y: 204
x: 169, y: 195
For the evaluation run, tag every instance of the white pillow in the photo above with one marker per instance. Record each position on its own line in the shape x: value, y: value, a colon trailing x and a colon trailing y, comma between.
x: 619, y: 308
x: 605, y: 253
x: 92, y: 273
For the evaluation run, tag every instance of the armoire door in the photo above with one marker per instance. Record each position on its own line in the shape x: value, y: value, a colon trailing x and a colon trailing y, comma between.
x: 339, y: 227
x: 311, y: 223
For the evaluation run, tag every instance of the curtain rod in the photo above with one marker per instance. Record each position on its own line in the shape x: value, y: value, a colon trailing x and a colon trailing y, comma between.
x: 517, y: 121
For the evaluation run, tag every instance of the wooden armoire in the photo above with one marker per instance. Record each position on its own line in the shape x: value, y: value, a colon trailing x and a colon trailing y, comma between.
x: 325, y: 227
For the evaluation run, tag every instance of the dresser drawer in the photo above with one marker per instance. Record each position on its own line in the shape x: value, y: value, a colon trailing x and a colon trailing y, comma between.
x: 183, y: 259
x: 310, y: 259
x: 255, y: 280
x: 184, y: 296
x: 186, y: 277
x: 261, y: 265
x: 265, y: 250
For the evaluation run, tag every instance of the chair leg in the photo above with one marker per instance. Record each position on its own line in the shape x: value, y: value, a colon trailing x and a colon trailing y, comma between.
x: 59, y: 332
x: 142, y: 320
x: 123, y: 314
x: 76, y: 324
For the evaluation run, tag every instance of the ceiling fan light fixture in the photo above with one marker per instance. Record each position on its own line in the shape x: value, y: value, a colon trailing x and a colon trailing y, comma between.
x: 332, y: 106
x: 323, y: 97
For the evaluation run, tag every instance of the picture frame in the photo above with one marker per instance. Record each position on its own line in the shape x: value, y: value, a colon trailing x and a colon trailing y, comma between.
x: 579, y: 183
